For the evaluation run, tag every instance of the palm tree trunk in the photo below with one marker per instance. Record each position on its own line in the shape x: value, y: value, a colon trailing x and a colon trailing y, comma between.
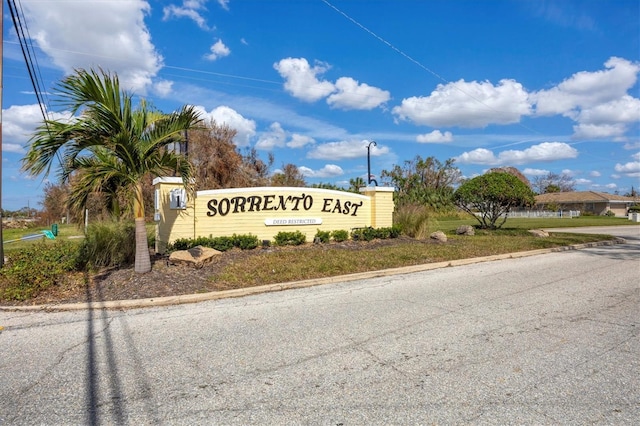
x: 143, y: 259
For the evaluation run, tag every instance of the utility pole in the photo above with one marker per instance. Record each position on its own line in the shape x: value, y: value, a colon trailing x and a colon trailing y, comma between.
x: 1, y: 66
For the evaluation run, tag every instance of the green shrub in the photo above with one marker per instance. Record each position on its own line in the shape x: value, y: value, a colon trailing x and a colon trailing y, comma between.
x: 295, y: 238
x: 369, y: 233
x: 245, y: 242
x: 340, y: 235
x: 322, y: 236
x: 634, y: 209
x: 609, y: 213
x: 221, y: 243
x: 389, y: 232
x: 36, y: 268
x: 363, y: 234
x: 108, y: 244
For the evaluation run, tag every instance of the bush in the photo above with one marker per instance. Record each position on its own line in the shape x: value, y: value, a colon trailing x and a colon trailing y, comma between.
x: 609, y: 213
x: 339, y: 235
x: 36, y: 268
x: 108, y: 244
x: 322, y: 236
x: 634, y: 209
x: 390, y: 232
x: 295, y: 238
x: 363, y: 234
x: 369, y: 233
x: 243, y: 242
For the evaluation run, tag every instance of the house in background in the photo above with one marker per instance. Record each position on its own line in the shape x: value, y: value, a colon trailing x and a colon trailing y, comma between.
x: 589, y: 202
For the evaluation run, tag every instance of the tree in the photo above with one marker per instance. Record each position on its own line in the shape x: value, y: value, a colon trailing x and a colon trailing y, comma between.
x: 553, y: 182
x: 512, y: 171
x: 355, y: 184
x: 289, y: 176
x: 54, y: 202
x: 424, y: 181
x: 492, y: 195
x: 219, y: 164
x: 111, y: 146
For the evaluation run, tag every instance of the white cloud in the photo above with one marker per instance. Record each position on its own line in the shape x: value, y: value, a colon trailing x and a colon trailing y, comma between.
x: 301, y: 79
x: 274, y: 138
x: 597, y: 101
x: 163, y: 88
x: 328, y: 171
x: 191, y: 9
x: 224, y: 4
x: 20, y: 121
x: 546, y: 151
x: 636, y: 156
x: 218, y: 50
x: 109, y: 34
x: 465, y: 104
x: 582, y: 181
x: 595, y: 173
x: 346, y: 150
x: 631, y: 169
x: 435, y: 137
x: 535, y: 172
x: 626, y: 109
x: 299, y: 141
x: 588, y: 89
x: 353, y: 95
x: 245, y: 128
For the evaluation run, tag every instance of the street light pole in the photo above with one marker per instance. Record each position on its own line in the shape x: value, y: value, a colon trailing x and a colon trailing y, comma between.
x: 369, y: 180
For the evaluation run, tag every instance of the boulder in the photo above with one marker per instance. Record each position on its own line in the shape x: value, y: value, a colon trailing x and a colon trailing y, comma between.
x: 439, y: 235
x: 539, y: 233
x: 196, y: 256
x: 465, y: 230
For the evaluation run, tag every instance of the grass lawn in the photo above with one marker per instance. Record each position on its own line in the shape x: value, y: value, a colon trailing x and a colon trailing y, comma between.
x: 308, y: 262
x: 64, y: 231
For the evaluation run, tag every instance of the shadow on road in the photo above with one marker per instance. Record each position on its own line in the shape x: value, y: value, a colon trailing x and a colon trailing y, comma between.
x: 100, y: 341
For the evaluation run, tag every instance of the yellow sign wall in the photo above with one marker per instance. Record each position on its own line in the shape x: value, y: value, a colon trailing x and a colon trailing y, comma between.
x: 264, y: 211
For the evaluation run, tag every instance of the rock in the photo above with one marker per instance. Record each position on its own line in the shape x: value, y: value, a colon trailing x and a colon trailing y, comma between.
x: 465, y: 230
x: 440, y: 236
x: 196, y: 256
x: 539, y: 233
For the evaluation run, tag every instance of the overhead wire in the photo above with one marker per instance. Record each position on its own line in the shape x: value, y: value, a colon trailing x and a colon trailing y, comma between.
x: 29, y: 55
x: 31, y: 62
x: 415, y: 61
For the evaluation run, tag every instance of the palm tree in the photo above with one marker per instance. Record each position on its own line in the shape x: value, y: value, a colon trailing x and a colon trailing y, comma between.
x: 110, y: 145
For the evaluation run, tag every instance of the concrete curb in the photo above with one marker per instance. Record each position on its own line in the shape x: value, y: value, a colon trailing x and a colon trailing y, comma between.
x: 225, y: 294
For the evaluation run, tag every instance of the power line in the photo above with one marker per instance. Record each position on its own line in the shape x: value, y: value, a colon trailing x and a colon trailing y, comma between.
x: 29, y: 55
x: 416, y: 62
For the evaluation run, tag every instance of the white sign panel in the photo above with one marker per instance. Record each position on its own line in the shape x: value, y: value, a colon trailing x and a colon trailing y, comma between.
x: 293, y: 221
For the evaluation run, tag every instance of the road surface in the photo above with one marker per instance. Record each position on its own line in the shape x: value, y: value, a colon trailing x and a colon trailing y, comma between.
x: 547, y: 339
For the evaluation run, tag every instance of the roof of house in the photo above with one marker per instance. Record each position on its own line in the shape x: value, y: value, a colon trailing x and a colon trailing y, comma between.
x: 583, y: 197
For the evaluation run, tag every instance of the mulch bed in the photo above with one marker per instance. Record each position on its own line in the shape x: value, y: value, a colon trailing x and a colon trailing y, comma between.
x: 165, y: 279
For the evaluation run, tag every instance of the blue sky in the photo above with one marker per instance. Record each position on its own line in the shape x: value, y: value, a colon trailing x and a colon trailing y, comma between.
x: 541, y: 85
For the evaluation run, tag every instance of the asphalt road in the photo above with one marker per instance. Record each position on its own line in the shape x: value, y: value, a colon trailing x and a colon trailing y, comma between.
x: 547, y: 339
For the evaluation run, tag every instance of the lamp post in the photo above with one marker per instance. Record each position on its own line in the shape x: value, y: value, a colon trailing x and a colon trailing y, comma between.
x: 369, y: 180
